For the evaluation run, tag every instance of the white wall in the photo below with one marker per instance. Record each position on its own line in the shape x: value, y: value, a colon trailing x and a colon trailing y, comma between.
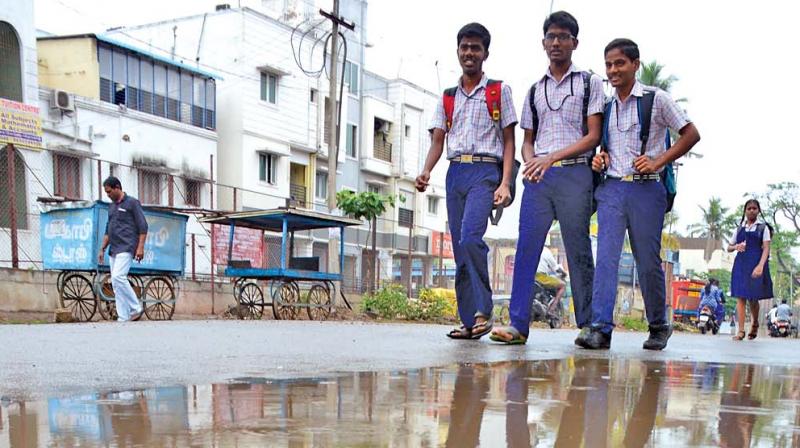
x: 693, y: 260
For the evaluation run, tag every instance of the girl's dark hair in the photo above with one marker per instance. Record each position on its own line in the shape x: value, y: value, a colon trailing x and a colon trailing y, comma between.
x: 711, y: 281
x: 561, y: 19
x: 475, y: 29
x: 760, y: 213
x: 626, y: 46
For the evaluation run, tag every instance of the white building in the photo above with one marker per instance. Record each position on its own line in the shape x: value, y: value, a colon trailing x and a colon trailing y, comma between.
x: 19, y: 83
x: 112, y: 109
x: 693, y: 256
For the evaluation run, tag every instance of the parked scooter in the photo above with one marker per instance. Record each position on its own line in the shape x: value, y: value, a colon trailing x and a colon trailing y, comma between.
x: 707, y: 321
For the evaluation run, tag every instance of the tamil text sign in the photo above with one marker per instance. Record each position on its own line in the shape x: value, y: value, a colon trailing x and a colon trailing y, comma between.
x: 441, y: 244
x: 248, y: 244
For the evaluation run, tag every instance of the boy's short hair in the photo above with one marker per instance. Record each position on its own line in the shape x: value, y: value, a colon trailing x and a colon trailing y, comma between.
x: 626, y: 46
x: 112, y: 182
x: 561, y: 19
x: 475, y: 29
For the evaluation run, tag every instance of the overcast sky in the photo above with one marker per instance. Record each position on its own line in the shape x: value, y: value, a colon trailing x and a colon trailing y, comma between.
x: 737, y: 63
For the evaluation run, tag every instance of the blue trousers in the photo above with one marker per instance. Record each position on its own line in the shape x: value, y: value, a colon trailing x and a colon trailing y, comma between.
x: 564, y: 194
x: 637, y: 207
x: 470, y: 193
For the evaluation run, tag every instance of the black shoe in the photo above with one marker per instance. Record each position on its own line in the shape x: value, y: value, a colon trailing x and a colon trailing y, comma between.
x: 659, y: 335
x: 583, y: 336
x: 597, y: 340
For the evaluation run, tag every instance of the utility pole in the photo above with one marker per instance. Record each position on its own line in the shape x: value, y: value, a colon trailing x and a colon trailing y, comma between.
x: 332, y: 120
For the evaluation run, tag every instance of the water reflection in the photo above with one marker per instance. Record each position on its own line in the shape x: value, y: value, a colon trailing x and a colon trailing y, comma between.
x: 574, y: 402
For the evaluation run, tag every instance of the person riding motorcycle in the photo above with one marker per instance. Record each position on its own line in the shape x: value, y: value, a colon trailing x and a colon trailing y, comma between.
x: 547, y: 272
x: 710, y: 296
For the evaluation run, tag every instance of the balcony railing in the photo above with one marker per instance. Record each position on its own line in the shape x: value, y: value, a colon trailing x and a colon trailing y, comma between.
x: 297, y: 193
x: 382, y: 149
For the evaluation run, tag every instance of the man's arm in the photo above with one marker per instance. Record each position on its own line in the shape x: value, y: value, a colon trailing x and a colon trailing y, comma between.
x: 103, y: 247
x: 540, y: 165
x: 434, y: 154
x: 141, y: 228
x: 503, y: 193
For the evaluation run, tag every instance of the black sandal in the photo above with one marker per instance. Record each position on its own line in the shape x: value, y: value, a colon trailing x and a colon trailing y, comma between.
x: 481, y: 329
x: 753, y: 332
x: 460, y: 333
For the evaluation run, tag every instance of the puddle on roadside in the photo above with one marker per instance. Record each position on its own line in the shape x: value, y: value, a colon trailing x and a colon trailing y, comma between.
x: 572, y: 402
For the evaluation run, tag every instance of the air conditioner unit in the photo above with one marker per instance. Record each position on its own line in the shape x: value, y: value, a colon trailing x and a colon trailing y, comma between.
x: 62, y: 100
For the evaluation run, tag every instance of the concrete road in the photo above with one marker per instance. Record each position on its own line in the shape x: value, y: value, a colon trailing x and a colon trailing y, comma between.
x: 44, y: 360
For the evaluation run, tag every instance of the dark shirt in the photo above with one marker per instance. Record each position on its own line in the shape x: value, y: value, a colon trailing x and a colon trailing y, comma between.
x: 125, y: 223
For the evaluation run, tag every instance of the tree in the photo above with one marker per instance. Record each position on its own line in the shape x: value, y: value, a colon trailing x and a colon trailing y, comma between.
x: 781, y: 205
x: 366, y: 205
x: 650, y: 75
x: 717, y: 225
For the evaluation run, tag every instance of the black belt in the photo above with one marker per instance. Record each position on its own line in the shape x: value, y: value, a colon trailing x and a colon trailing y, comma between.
x: 653, y: 177
x: 469, y: 158
x: 583, y: 160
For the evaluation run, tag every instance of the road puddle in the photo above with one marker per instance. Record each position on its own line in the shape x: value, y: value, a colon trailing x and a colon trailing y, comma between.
x: 571, y: 402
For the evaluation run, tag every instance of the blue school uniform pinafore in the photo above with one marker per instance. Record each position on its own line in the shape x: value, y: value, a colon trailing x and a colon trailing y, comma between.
x: 743, y: 285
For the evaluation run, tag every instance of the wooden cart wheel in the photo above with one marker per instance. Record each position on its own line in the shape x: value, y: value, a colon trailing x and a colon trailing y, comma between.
x: 284, y: 299
x: 319, y: 295
x: 76, y: 294
x: 158, y: 299
x: 104, y: 293
x: 237, y: 286
x: 251, y: 296
x: 60, y: 282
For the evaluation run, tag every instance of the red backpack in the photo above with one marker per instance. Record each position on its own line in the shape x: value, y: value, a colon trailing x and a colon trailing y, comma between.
x: 494, y: 91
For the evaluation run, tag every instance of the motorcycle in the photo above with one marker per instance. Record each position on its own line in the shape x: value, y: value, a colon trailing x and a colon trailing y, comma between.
x: 707, y: 321
x: 545, y: 307
x: 780, y: 328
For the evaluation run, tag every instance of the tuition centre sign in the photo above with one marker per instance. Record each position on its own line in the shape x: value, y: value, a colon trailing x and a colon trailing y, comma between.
x: 20, y: 124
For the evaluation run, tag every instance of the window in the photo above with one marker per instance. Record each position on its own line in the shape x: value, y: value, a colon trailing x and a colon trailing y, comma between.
x: 20, y: 203
x: 268, y: 168
x: 160, y: 90
x: 149, y: 187
x: 173, y: 94
x: 192, y: 195
x: 313, y: 96
x: 408, y: 131
x: 132, y: 100
x: 67, y: 176
x: 211, y: 98
x: 433, y: 205
x: 106, y: 85
x: 269, y: 88
x: 372, y: 188
x: 186, y: 98
x: 146, y: 92
x: 198, y: 101
x: 119, y: 71
x: 351, y: 139
x: 351, y: 77
x: 321, y: 185
x: 10, y: 64
x: 405, y: 211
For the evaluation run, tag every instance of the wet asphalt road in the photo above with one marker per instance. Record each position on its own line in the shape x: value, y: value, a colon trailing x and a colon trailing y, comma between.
x: 43, y: 360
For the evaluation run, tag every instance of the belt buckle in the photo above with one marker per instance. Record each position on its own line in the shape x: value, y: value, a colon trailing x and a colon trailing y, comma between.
x: 559, y: 163
x: 627, y: 178
x: 466, y: 158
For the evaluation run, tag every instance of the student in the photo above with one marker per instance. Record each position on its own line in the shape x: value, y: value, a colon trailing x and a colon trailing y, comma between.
x: 750, y: 279
x: 632, y: 197
x: 565, y: 124
x: 480, y: 149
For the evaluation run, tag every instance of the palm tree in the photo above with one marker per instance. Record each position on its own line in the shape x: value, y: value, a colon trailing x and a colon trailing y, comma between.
x: 650, y: 75
x: 717, y: 225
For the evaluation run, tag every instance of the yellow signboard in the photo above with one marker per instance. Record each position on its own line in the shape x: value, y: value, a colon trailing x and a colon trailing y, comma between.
x: 20, y: 124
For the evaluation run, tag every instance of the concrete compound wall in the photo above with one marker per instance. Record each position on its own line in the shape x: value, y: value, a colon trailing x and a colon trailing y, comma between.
x: 32, y: 290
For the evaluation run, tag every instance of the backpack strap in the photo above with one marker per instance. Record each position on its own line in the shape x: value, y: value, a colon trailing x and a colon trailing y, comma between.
x: 449, y: 103
x: 494, y: 100
x: 587, y: 77
x: 534, y: 114
x: 644, y: 106
x: 606, y: 119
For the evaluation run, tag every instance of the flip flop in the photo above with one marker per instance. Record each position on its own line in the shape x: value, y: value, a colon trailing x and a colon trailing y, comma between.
x: 460, y: 333
x: 516, y: 337
x: 481, y: 329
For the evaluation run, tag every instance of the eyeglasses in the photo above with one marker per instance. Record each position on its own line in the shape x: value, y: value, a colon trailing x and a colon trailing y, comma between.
x: 562, y: 37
